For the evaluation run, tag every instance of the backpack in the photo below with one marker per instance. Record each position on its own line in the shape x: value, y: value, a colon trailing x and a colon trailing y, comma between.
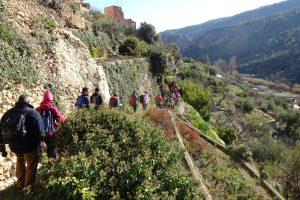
x: 47, y: 116
x: 96, y: 99
x: 156, y: 100
x: 13, y: 128
x: 142, y: 98
x: 132, y: 100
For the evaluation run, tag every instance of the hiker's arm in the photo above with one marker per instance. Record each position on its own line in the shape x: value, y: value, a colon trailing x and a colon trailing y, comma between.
x: 38, y: 125
x: 58, y: 116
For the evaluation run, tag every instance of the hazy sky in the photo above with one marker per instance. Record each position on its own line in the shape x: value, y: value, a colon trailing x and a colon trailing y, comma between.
x: 172, y: 14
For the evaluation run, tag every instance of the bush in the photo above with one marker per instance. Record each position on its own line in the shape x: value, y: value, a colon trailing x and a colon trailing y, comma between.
x: 113, y: 157
x: 242, y: 152
x: 133, y: 46
x: 267, y: 149
x: 99, y: 43
x: 245, y: 104
x: 16, y: 66
x: 227, y: 134
x: 198, y: 97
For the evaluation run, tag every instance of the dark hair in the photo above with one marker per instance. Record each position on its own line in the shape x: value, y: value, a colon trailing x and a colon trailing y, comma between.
x: 97, y: 89
x: 85, y: 89
x: 24, y: 98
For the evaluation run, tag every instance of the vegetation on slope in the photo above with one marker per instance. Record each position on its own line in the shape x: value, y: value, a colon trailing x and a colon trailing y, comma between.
x: 16, y: 66
x: 107, y: 155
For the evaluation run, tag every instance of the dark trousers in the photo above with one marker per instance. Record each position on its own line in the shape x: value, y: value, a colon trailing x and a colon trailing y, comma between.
x: 51, y: 143
x: 134, y: 107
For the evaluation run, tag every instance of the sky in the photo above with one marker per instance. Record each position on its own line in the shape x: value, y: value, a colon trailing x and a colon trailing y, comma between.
x: 172, y: 14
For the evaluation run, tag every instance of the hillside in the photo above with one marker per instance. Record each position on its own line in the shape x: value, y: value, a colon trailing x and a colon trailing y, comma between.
x: 218, y: 139
x: 264, y: 40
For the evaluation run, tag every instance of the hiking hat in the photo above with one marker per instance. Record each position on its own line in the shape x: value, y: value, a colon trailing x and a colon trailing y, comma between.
x: 48, y: 96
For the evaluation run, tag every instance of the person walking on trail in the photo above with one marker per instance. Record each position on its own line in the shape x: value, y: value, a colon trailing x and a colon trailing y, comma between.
x: 133, y: 100
x: 83, y: 100
x: 145, y: 99
x: 51, y: 117
x: 114, y: 101
x: 96, y: 98
x: 158, y: 101
x: 22, y: 128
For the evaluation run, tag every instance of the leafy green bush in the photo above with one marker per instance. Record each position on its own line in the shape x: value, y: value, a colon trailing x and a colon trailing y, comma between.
x: 50, y: 23
x: 198, y: 97
x: 267, y: 149
x: 245, y: 104
x: 99, y: 43
x: 242, y: 151
x: 133, y: 46
x: 105, y: 155
x: 227, y: 134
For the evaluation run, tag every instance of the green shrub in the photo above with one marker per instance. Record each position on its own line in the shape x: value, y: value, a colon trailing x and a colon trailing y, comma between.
x: 110, y: 156
x: 245, y: 104
x: 99, y: 43
x: 16, y: 66
x: 227, y: 134
x: 266, y: 149
x: 198, y: 97
x: 50, y: 23
x: 242, y: 151
x: 133, y: 46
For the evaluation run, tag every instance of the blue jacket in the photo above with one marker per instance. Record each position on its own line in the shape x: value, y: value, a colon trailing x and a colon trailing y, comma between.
x: 34, y: 129
x: 82, y: 102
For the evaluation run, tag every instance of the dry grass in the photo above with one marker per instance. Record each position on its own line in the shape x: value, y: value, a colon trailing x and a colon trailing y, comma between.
x: 163, y: 119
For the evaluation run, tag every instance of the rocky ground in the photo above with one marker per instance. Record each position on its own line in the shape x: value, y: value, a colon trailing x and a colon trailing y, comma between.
x: 7, y: 170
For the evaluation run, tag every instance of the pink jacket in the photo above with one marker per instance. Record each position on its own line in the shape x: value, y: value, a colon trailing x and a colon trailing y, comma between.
x: 46, y: 105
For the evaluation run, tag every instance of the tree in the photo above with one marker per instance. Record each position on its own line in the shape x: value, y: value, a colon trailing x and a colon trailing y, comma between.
x: 221, y: 64
x: 232, y: 65
x: 147, y: 33
x: 204, y: 59
x: 291, y: 176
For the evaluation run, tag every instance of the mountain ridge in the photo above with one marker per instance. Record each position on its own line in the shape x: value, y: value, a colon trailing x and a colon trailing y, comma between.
x: 251, y: 36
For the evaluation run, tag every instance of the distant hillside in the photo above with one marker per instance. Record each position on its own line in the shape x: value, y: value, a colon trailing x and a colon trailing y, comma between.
x: 265, y: 41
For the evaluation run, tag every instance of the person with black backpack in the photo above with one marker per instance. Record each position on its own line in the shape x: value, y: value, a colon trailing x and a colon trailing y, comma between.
x: 51, y: 117
x: 22, y: 128
x: 96, y: 98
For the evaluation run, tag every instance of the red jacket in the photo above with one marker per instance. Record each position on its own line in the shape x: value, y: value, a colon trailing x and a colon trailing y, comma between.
x: 57, y: 116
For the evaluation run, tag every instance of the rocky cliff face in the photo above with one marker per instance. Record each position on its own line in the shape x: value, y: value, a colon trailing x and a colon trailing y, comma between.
x: 64, y: 63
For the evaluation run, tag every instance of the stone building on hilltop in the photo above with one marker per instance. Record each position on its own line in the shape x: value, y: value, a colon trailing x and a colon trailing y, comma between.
x: 116, y: 13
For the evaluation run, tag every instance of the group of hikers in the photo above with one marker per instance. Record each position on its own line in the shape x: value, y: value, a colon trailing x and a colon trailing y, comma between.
x: 27, y: 130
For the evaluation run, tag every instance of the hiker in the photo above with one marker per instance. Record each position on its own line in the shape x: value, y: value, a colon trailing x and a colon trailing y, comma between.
x: 22, y: 128
x: 96, y: 98
x: 114, y: 101
x: 133, y: 100
x: 51, y: 117
x: 170, y: 102
x: 144, y: 99
x: 158, y: 101
x: 83, y: 100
